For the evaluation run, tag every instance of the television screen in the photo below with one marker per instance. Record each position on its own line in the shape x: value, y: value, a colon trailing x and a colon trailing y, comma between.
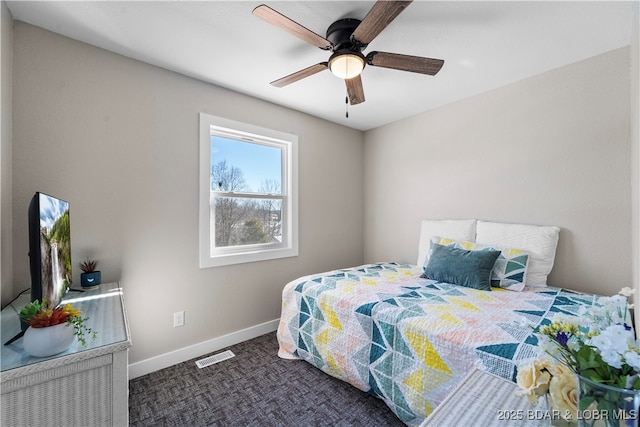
x: 49, y: 249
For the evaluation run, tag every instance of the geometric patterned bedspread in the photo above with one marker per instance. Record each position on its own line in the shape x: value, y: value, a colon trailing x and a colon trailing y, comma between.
x: 407, y: 340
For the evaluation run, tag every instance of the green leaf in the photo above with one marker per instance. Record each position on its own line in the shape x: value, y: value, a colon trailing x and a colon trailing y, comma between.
x: 585, y: 402
x: 30, y: 310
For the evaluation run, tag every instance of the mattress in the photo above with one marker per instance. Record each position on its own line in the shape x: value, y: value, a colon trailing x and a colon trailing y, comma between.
x: 410, y: 341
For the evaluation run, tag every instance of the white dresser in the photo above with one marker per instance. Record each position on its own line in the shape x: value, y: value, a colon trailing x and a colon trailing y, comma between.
x: 83, y: 386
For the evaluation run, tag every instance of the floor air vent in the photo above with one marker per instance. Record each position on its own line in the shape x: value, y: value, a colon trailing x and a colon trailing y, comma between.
x: 211, y: 360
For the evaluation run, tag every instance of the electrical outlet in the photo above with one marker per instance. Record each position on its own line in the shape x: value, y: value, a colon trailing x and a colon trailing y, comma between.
x: 178, y: 319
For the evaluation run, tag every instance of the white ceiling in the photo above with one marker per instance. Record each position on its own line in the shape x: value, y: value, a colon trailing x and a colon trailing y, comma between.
x: 484, y: 44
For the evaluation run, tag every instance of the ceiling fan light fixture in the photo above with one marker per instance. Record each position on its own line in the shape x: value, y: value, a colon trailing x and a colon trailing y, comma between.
x: 346, y: 65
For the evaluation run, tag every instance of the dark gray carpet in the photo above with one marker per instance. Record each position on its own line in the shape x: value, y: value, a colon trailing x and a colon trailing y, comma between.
x: 255, y: 388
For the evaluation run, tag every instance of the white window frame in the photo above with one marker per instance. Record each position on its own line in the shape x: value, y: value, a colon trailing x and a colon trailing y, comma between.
x: 211, y: 256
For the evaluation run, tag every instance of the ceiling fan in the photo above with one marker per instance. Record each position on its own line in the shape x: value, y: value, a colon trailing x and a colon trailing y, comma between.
x: 346, y: 38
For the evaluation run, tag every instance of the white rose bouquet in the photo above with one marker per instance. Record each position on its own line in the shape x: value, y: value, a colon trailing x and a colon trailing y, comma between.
x: 598, y: 344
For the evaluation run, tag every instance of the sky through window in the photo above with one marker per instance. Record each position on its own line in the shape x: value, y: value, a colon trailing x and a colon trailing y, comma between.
x: 258, y: 162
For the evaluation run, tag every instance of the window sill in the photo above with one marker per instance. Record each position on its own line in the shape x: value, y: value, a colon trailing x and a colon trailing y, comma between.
x: 244, y: 257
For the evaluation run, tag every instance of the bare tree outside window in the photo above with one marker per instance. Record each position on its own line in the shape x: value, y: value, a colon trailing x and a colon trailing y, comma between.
x: 271, y: 211
x: 229, y: 211
x: 241, y: 221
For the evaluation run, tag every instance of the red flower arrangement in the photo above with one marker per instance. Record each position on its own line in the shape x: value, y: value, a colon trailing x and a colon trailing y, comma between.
x: 39, y: 315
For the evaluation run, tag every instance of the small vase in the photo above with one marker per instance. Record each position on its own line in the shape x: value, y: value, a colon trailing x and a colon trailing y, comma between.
x: 90, y: 280
x: 50, y: 340
x: 601, y: 405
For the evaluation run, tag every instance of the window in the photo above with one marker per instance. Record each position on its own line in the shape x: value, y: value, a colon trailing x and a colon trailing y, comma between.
x: 248, y: 193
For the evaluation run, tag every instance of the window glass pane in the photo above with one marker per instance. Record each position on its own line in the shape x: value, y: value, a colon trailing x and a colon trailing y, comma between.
x: 245, y: 166
x: 247, y: 221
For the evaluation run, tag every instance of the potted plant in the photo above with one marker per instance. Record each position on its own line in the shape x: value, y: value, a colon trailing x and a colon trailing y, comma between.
x: 52, y: 330
x: 90, y: 277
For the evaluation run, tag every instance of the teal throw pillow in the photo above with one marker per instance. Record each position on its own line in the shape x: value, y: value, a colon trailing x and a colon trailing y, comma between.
x: 508, y: 272
x: 461, y: 267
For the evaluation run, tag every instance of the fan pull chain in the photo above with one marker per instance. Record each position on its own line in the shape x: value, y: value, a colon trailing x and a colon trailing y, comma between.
x: 346, y: 101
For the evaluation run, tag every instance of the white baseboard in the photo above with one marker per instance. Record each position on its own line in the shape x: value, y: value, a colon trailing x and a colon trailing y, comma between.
x: 156, y: 363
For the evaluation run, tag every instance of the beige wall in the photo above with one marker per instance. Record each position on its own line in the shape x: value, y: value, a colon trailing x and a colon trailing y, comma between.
x: 553, y: 149
x: 118, y: 139
x: 6, y: 219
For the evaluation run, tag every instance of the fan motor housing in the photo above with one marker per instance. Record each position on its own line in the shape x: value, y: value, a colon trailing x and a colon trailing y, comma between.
x: 339, y: 33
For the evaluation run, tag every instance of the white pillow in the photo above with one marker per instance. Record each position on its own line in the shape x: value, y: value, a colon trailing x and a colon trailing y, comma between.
x: 539, y: 241
x: 457, y: 229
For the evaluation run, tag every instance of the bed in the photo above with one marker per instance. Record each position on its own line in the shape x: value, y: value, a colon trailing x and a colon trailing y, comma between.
x: 395, y: 331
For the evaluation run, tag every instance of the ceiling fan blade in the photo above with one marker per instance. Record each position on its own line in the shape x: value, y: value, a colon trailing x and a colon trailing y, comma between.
x: 279, y: 20
x: 355, y: 92
x: 299, y: 75
x: 396, y: 61
x: 380, y: 15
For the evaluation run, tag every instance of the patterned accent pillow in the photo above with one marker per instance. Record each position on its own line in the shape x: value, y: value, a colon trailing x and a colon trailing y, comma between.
x: 510, y: 269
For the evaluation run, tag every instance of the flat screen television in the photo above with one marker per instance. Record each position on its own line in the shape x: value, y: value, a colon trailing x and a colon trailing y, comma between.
x: 49, y: 249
